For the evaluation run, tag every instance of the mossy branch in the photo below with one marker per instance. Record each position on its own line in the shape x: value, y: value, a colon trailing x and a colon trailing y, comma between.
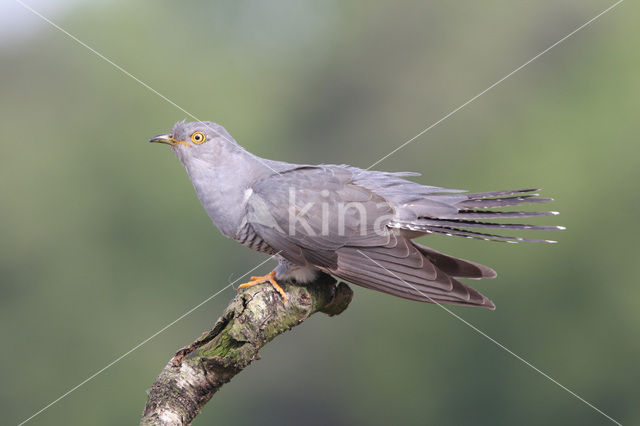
x: 252, y: 319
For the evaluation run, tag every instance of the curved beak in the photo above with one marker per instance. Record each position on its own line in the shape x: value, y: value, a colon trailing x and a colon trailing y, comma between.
x: 162, y: 139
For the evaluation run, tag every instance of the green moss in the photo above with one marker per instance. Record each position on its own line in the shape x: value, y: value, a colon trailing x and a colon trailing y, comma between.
x: 223, y: 346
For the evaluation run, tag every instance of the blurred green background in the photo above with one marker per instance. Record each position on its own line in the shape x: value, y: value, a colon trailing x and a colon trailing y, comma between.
x: 103, y: 242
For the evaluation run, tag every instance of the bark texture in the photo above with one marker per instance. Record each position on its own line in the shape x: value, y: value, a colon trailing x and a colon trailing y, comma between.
x: 252, y: 319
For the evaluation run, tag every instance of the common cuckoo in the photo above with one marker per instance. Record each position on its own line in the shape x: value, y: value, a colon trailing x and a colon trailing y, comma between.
x: 357, y: 225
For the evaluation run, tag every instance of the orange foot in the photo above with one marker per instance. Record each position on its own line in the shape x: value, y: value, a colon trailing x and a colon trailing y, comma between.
x: 270, y: 278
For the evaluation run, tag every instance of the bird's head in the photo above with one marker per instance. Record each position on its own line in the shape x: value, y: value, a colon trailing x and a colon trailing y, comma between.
x: 200, y: 140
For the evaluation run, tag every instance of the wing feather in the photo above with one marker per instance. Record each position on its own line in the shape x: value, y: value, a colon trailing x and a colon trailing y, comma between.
x: 357, y: 245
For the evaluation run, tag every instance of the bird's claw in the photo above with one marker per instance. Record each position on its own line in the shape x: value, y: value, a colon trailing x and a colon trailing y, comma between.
x: 266, y: 278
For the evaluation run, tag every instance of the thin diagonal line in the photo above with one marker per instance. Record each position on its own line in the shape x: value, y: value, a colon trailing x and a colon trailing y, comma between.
x: 125, y: 72
x: 495, y: 84
x: 91, y: 377
x: 500, y: 345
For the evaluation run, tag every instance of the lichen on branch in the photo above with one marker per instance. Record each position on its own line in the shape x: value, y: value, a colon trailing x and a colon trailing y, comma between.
x: 252, y: 319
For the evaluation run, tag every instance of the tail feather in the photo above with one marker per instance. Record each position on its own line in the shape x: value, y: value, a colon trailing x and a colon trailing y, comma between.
x: 500, y: 193
x: 451, y: 214
x: 457, y: 232
x: 484, y: 214
x: 487, y: 203
x: 477, y: 224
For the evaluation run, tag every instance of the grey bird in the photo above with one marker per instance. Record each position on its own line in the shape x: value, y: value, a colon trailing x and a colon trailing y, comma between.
x: 354, y: 224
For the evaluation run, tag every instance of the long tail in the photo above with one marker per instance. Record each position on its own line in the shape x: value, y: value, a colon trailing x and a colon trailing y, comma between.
x: 471, y: 207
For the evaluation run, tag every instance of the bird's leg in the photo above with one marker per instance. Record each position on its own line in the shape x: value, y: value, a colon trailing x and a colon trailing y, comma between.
x: 271, y: 277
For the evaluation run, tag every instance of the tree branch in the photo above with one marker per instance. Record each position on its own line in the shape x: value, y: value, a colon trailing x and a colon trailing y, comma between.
x: 252, y: 319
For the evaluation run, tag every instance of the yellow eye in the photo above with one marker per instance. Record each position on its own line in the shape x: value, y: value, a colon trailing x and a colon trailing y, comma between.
x: 198, y: 138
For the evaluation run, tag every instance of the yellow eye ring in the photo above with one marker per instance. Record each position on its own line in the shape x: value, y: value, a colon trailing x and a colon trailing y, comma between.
x: 198, y: 138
